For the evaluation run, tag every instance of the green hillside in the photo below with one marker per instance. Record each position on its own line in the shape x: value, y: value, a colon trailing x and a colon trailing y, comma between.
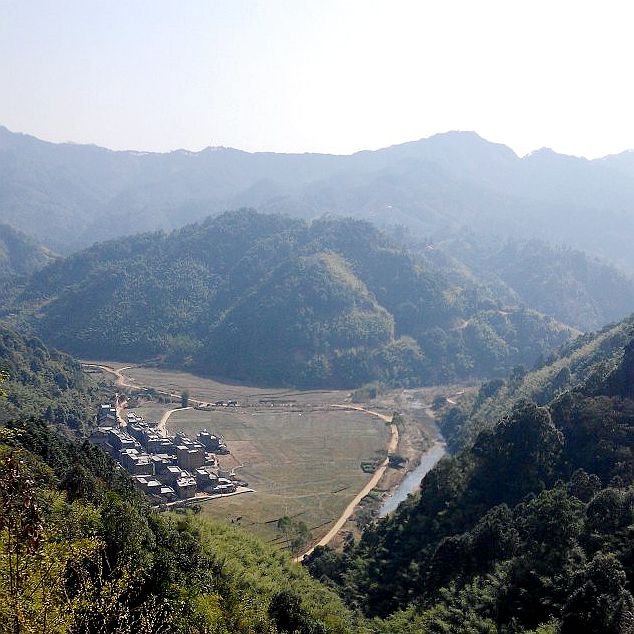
x: 526, y: 530
x: 264, y: 298
x: 571, y: 366
x: 43, y: 383
x: 567, y: 284
x: 94, y: 557
x: 20, y: 256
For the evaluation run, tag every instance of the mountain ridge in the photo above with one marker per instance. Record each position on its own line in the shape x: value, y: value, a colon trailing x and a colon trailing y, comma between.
x: 70, y: 196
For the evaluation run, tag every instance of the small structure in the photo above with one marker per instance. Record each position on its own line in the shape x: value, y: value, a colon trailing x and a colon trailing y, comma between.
x: 118, y: 440
x: 205, y: 479
x: 186, y: 487
x: 190, y: 458
x: 167, y: 493
x: 224, y: 485
x: 173, y: 473
x: 107, y: 415
x: 212, y: 442
x: 136, y: 463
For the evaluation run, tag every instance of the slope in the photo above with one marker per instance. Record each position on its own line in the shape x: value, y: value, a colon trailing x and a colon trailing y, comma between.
x: 528, y: 529
x: 567, y: 284
x: 43, y: 383
x: 567, y: 368
x: 70, y: 196
x: 265, y: 298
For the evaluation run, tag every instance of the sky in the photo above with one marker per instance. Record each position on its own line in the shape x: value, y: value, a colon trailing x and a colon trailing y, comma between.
x: 318, y: 75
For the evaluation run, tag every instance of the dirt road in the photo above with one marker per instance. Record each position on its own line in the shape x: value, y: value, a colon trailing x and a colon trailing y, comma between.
x: 374, y: 480
x: 162, y: 426
x: 124, y: 381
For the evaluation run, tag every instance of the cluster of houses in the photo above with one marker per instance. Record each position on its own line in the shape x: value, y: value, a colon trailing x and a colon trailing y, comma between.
x: 167, y: 468
x: 202, y: 405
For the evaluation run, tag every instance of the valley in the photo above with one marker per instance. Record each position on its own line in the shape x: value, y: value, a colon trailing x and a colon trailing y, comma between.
x: 301, y: 450
x: 287, y: 346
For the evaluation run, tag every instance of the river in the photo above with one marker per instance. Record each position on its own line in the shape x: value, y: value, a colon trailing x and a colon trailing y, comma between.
x: 411, y: 482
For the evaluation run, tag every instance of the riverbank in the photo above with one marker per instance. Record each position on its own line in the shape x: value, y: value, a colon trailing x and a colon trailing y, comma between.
x: 412, y: 480
x: 374, y: 480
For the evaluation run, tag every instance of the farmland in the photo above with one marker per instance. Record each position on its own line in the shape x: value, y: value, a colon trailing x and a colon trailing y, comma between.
x: 300, y: 453
x: 305, y: 465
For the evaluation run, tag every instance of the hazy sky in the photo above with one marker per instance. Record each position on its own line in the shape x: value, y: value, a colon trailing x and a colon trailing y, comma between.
x: 319, y: 75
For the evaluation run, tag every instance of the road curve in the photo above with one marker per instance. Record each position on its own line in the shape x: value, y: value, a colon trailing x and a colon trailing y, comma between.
x: 374, y: 480
x: 162, y: 426
x: 123, y: 381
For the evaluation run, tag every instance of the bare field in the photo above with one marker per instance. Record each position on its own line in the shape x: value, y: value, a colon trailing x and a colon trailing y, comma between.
x: 300, y: 454
x: 210, y: 390
x: 150, y: 411
x: 302, y: 464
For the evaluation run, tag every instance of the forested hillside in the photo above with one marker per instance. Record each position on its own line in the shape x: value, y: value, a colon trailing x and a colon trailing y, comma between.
x: 69, y: 196
x: 562, y: 370
x: 81, y: 551
x: 278, y: 301
x: 527, y: 529
x: 41, y: 382
x: 566, y: 284
x: 20, y: 256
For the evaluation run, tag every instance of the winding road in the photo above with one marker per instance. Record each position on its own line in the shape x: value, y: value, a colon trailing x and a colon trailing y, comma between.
x: 123, y: 381
x: 162, y: 426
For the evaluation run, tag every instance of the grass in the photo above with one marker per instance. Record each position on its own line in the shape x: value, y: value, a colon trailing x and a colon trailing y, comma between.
x: 150, y: 411
x: 302, y: 464
x: 308, y: 466
x: 211, y: 390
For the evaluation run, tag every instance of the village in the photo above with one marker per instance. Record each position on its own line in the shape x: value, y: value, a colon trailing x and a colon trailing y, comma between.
x: 171, y: 470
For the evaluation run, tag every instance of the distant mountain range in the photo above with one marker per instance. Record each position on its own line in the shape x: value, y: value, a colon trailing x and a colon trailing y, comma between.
x: 69, y: 196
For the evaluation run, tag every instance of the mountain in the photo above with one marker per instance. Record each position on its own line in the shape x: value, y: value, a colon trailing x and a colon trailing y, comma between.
x: 69, y: 196
x: 569, y: 285
x: 20, y: 255
x: 527, y: 529
x: 272, y: 300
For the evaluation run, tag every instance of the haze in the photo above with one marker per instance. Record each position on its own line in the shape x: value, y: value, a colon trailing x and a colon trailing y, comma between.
x: 323, y: 76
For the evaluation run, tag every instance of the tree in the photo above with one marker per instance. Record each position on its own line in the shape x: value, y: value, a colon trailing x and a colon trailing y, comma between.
x: 289, y: 616
x: 600, y: 602
x: 295, y: 532
x: 38, y: 560
x: 185, y: 399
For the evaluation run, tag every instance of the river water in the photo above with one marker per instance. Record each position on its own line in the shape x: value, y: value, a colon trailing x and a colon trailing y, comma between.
x: 411, y: 482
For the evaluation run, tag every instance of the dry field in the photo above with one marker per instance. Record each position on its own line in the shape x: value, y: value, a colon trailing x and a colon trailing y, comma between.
x: 210, y: 390
x: 302, y: 458
x: 302, y: 464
